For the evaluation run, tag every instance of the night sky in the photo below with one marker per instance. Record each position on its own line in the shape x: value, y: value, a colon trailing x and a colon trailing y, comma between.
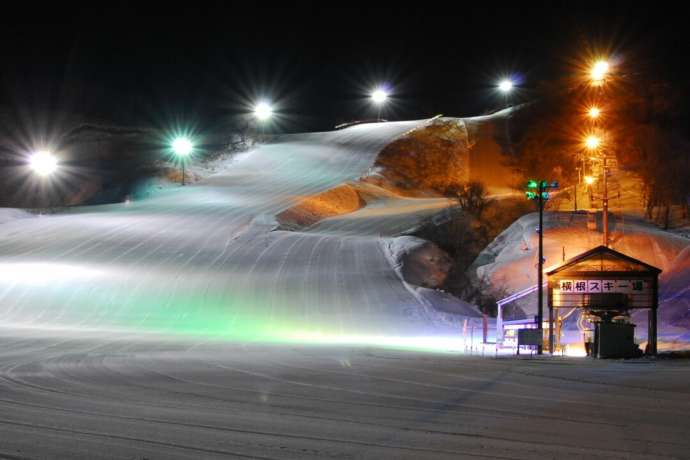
x: 131, y: 65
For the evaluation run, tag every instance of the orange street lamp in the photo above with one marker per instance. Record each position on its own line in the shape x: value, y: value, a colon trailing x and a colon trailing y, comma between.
x: 592, y: 142
x: 594, y: 112
x: 589, y: 180
x: 599, y: 71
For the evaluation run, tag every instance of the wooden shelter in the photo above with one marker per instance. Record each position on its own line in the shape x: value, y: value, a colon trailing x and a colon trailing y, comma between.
x: 603, y: 280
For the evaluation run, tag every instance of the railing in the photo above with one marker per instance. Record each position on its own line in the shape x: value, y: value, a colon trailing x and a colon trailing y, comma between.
x: 507, y: 300
x: 519, y: 294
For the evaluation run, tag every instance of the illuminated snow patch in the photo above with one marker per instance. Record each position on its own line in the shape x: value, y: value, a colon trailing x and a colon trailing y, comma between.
x: 575, y: 350
x: 427, y: 343
x: 41, y: 273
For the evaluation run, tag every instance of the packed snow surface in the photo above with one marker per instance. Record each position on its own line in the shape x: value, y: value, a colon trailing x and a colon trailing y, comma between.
x: 128, y: 397
x: 207, y: 258
x: 131, y: 331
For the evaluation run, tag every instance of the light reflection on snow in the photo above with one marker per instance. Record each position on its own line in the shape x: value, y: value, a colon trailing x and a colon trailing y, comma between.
x: 431, y: 343
x: 41, y: 273
x: 575, y: 350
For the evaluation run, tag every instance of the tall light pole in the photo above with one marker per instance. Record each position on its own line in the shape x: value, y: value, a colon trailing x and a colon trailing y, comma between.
x: 505, y: 86
x: 593, y: 143
x: 182, y: 147
x: 605, y: 202
x: 598, y: 74
x: 599, y: 71
x: 263, y: 111
x: 379, y: 97
x: 43, y: 163
x: 539, y: 191
x: 593, y: 113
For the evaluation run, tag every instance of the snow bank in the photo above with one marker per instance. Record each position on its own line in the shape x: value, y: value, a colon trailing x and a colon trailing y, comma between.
x: 12, y: 214
x: 420, y: 264
x: 510, y: 260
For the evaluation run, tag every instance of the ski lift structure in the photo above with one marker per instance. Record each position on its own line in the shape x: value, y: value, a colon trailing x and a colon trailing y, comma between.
x: 606, y: 286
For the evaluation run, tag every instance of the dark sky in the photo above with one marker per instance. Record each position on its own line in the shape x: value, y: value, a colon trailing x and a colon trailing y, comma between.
x: 205, y: 62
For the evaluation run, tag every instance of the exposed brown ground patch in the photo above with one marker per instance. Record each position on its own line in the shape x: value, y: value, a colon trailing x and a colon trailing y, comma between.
x: 431, y: 158
x: 339, y: 200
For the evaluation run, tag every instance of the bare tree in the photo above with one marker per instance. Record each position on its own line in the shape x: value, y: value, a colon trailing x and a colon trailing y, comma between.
x: 472, y: 198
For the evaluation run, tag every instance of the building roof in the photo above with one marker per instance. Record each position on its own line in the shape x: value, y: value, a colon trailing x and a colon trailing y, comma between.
x: 603, y: 258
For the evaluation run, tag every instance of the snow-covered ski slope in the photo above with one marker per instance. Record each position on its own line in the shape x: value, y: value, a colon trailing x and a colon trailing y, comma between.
x: 206, y: 259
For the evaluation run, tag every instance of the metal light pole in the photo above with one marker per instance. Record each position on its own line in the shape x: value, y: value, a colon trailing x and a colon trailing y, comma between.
x: 575, y: 197
x: 539, y: 191
x: 505, y: 86
x: 379, y: 97
x: 593, y: 143
x: 605, y: 203
x: 43, y: 163
x: 598, y: 74
x: 540, y: 271
x: 182, y: 147
x: 263, y: 111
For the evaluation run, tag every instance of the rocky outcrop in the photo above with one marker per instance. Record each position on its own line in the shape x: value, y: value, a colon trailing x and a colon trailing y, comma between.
x: 426, y: 266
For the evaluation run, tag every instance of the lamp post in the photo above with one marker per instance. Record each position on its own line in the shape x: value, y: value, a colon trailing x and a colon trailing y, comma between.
x: 539, y: 192
x: 593, y: 112
x: 182, y: 147
x: 598, y: 74
x: 593, y: 143
x: 263, y: 111
x: 505, y: 86
x: 599, y: 71
x: 379, y: 97
x: 43, y: 163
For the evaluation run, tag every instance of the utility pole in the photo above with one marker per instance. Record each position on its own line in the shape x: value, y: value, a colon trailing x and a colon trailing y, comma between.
x: 575, y: 197
x: 598, y: 75
x: 539, y: 191
x: 182, y: 147
x: 605, y: 202
x: 540, y: 272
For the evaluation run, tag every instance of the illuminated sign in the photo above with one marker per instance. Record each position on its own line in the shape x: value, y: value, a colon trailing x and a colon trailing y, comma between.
x: 605, y: 286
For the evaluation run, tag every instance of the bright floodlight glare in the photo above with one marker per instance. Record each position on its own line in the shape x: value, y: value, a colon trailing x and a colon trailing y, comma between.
x: 379, y: 96
x: 263, y: 111
x: 589, y: 180
x: 182, y: 146
x: 43, y: 163
x: 594, y: 112
x: 599, y: 71
x: 505, y: 86
x: 592, y: 142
